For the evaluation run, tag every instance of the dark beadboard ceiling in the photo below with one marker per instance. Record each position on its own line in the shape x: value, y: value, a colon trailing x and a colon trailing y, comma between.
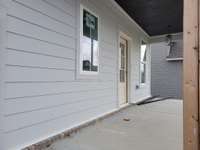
x: 156, y: 17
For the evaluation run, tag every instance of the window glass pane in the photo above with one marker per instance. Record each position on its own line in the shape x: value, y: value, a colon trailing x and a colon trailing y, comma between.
x: 89, y: 42
x: 86, y: 53
x: 90, y: 25
x: 143, y: 52
x: 95, y: 60
x: 143, y: 59
x: 143, y: 73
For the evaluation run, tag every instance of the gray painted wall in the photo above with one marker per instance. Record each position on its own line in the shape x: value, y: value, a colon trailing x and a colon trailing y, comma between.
x: 166, y: 76
x: 42, y: 94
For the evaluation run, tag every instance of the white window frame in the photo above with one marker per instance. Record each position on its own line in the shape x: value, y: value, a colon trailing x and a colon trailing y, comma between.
x: 82, y: 72
x: 143, y: 62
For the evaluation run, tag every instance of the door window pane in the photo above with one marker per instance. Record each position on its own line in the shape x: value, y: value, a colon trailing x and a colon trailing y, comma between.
x: 123, y: 62
x: 122, y: 75
x: 122, y: 46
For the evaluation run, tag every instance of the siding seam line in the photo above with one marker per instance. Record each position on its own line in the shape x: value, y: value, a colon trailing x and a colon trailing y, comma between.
x: 56, y: 118
x: 30, y: 37
x: 37, y: 53
x: 39, y: 67
x: 72, y: 26
x: 58, y: 8
x: 57, y: 106
x: 40, y: 26
x: 51, y: 94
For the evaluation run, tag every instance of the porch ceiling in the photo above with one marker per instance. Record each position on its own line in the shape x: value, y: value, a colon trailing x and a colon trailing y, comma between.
x: 156, y: 17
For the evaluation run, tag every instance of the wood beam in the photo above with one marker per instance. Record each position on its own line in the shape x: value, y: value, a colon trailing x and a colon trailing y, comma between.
x: 191, y: 75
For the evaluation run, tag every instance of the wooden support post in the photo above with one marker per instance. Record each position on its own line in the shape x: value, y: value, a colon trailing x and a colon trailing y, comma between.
x: 191, y: 75
x: 199, y: 74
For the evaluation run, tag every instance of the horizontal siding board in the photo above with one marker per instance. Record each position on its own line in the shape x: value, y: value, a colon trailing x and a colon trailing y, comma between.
x: 30, y: 89
x: 20, y: 11
x: 108, y: 31
x: 51, y: 127
x: 49, y: 11
x: 108, y: 47
x: 63, y: 5
x: 107, y: 54
x: 22, y: 74
x: 108, y: 51
x: 44, y: 102
x: 32, y: 118
x: 70, y: 2
x: 28, y: 59
x: 108, y: 62
x: 105, y: 77
x: 108, y: 69
x: 18, y: 26
x: 36, y: 46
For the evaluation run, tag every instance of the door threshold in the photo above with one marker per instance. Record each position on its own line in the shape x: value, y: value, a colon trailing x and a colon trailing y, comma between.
x: 124, y: 105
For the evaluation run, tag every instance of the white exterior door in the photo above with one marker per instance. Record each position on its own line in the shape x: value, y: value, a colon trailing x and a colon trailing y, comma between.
x: 123, y: 49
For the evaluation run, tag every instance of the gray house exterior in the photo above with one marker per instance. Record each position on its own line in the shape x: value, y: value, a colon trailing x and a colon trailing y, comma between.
x: 44, y: 89
x: 167, y: 67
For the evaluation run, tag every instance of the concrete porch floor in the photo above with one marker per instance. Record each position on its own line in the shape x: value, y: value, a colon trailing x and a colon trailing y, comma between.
x: 155, y: 126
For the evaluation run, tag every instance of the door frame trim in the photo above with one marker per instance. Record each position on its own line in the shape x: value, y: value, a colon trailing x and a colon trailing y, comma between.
x: 129, y: 40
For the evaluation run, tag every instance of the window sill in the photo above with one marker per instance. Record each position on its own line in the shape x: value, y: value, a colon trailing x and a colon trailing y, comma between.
x: 174, y: 59
x: 87, y: 76
x: 142, y: 85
